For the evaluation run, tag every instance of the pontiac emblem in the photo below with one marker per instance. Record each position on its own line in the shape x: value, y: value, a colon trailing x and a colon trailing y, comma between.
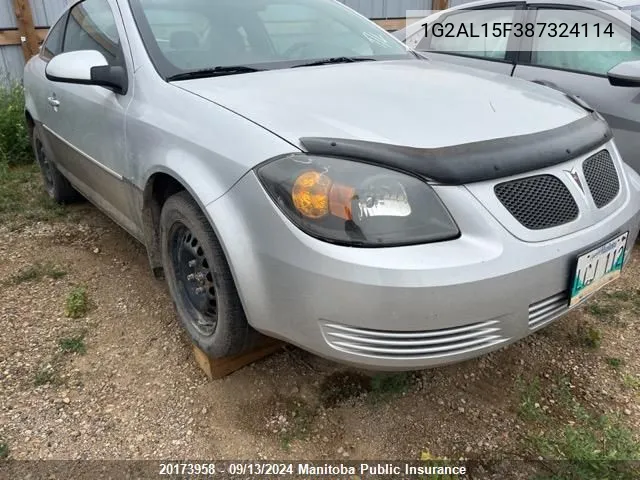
x: 573, y: 173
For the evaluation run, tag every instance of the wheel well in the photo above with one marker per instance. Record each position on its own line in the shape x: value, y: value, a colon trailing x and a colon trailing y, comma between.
x: 159, y: 188
x: 31, y: 124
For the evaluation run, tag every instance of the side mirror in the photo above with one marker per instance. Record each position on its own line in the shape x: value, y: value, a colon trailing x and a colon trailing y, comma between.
x: 87, y: 67
x: 625, y: 74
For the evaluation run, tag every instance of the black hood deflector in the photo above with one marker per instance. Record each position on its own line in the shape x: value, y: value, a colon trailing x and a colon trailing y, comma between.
x: 478, y: 161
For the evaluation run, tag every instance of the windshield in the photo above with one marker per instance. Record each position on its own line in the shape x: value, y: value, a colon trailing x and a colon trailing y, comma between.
x: 193, y: 35
x: 635, y: 12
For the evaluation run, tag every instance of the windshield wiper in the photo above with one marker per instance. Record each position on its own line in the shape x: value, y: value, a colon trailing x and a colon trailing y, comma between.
x: 213, y: 72
x: 329, y: 61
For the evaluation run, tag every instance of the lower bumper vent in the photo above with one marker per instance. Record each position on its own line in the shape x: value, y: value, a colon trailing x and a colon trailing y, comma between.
x: 544, y: 311
x: 420, y: 344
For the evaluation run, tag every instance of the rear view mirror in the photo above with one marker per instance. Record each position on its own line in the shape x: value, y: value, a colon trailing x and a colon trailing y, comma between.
x: 625, y: 74
x: 87, y: 67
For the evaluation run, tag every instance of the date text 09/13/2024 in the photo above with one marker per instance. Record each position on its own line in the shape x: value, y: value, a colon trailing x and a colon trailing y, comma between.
x: 309, y: 469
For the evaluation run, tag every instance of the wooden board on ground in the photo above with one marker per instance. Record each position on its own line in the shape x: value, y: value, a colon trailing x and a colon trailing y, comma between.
x: 216, y: 368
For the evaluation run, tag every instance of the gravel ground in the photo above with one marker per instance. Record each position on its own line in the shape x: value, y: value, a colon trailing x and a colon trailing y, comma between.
x: 136, y: 392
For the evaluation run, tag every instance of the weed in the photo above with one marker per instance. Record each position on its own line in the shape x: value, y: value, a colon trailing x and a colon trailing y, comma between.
x: 36, y: 272
x: 342, y: 386
x: 73, y: 344
x: 22, y: 198
x: 591, y: 446
x: 300, y: 417
x: 592, y: 449
x: 614, y: 362
x: 529, y: 399
x: 590, y: 337
x: 602, y: 310
x: 45, y: 375
x: 622, y: 295
x: 15, y: 145
x: 4, y: 450
x: 384, y: 386
x: 77, y: 303
x: 631, y: 381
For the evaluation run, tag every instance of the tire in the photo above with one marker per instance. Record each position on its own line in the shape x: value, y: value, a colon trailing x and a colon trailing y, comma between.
x: 200, y: 280
x: 55, y: 184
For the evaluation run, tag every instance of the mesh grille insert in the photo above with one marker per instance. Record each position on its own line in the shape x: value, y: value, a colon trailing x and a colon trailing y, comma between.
x: 538, y: 202
x: 602, y: 178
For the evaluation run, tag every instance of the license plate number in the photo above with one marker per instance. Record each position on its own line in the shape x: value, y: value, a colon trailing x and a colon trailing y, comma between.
x: 597, y: 268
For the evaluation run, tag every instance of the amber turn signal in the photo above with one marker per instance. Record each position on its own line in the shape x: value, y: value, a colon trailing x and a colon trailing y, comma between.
x: 311, y: 194
x: 315, y: 195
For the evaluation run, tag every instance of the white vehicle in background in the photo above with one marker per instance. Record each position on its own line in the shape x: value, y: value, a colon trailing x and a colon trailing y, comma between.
x: 605, y: 74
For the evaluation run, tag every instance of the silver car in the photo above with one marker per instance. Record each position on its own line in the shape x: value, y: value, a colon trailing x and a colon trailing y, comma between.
x: 608, y: 80
x: 254, y: 148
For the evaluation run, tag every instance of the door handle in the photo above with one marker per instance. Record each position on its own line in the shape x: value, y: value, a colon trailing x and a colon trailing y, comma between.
x: 53, y: 101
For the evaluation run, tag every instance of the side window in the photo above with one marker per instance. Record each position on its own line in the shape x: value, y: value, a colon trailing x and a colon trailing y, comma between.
x: 489, y: 46
x: 53, y: 45
x: 588, y: 54
x: 92, y: 26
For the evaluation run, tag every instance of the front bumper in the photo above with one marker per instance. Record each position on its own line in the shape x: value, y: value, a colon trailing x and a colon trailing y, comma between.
x: 409, y: 307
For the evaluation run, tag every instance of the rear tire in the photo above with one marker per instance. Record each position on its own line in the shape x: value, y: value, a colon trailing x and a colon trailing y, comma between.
x: 200, y: 280
x: 55, y: 184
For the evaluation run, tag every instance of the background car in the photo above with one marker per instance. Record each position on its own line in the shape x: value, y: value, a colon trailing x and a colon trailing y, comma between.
x: 609, y: 81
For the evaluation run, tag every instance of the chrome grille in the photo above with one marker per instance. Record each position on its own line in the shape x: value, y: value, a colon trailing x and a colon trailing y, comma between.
x: 538, y: 202
x: 544, y: 311
x: 420, y: 344
x: 602, y: 178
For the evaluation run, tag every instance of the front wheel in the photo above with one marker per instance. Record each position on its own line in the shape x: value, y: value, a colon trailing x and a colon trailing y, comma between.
x: 56, y: 185
x: 200, y: 280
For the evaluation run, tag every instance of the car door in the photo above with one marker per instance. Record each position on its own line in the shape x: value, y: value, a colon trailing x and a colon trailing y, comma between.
x: 86, y: 123
x: 37, y: 86
x: 583, y: 70
x: 493, y: 53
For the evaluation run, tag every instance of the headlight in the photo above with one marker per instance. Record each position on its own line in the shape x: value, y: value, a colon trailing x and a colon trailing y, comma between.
x: 354, y: 203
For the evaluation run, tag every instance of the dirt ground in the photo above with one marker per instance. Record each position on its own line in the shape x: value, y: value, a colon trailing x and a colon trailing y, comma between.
x: 121, y: 382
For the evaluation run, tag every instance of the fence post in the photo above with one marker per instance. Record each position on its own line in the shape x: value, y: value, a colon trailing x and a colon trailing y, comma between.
x: 26, y: 28
x: 440, y: 4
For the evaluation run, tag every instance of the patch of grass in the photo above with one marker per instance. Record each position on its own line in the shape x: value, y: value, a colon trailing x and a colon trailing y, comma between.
x: 384, y: 385
x: 23, y: 199
x: 15, y: 146
x: 301, y: 417
x: 591, y: 446
x: 46, y: 375
x: 36, y: 272
x: 77, y: 303
x: 603, y: 310
x: 590, y: 336
x: 4, y: 450
x: 530, y: 396
x: 614, y: 362
x: 593, y: 450
x: 631, y: 381
x: 621, y: 295
x: 74, y: 344
x: 342, y: 386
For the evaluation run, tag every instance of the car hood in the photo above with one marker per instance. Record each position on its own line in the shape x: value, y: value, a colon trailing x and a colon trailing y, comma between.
x: 414, y: 103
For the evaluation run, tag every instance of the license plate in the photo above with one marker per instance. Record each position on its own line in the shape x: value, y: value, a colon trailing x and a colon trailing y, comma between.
x: 597, y: 268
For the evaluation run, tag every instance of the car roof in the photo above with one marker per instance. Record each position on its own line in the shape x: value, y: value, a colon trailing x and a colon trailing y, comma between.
x: 623, y: 3
x: 615, y: 3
